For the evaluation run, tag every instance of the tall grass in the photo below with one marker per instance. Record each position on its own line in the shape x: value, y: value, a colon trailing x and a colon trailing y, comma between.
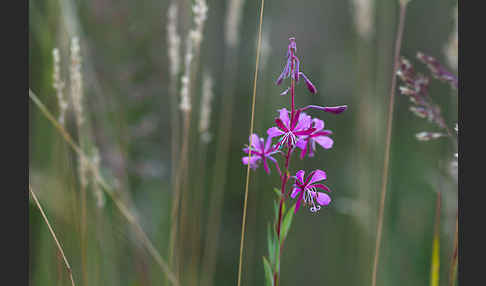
x: 398, y: 42
x: 193, y: 41
x: 58, y: 244
x: 124, y: 210
x: 220, y: 170
x: 257, y: 61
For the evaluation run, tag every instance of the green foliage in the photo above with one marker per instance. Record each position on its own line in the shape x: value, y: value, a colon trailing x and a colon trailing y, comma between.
x: 271, y: 243
x: 287, y: 221
x: 268, y: 272
x: 272, y: 264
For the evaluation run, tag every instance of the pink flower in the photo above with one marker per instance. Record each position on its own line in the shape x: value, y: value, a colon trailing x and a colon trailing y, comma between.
x: 307, y: 190
x: 260, y: 152
x: 319, y: 136
x: 291, y: 129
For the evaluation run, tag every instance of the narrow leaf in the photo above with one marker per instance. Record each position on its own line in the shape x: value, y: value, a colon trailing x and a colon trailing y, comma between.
x: 270, y: 244
x: 277, y: 192
x: 276, y: 244
x: 268, y: 272
x: 287, y: 222
x: 275, y: 209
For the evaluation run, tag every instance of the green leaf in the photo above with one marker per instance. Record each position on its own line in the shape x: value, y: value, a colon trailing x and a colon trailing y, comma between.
x: 276, y: 244
x: 270, y: 243
x: 275, y: 209
x: 278, y: 192
x: 287, y: 222
x: 268, y: 272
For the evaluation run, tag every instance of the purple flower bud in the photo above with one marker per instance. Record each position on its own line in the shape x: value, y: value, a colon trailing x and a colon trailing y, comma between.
x: 297, y: 69
x: 309, y: 84
x: 284, y: 73
x: 336, y: 109
x: 331, y: 109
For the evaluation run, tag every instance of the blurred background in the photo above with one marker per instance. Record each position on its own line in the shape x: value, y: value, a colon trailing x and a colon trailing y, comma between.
x: 123, y: 115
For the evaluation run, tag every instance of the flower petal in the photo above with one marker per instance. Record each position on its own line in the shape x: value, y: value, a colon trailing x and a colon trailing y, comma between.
x: 281, y: 125
x: 324, y: 141
x: 301, y: 143
x: 253, y: 161
x: 304, y: 121
x: 254, y: 142
x: 323, y: 199
x: 299, y: 200
x: 274, y: 132
x: 318, y: 124
x: 322, y: 187
x: 268, y: 145
x: 304, y: 132
x: 295, y: 192
x: 284, y: 116
x: 317, y: 175
x: 300, y: 176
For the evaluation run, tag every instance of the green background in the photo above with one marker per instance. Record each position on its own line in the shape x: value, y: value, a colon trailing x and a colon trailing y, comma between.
x: 125, y: 78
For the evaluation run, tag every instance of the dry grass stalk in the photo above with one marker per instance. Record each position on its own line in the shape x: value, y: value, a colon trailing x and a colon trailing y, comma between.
x: 363, y: 12
x: 205, y: 113
x: 76, y: 84
x: 398, y: 43
x: 59, y: 247
x: 451, y: 49
x: 249, y: 153
x: 222, y: 145
x: 59, y: 85
x: 126, y: 213
x: 193, y: 43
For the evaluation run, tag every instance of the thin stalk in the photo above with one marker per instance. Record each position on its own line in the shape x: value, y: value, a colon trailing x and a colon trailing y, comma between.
x: 220, y: 169
x: 107, y: 189
x: 187, y: 167
x: 398, y: 43
x: 435, y: 264
x: 199, y: 188
x: 453, y: 269
x: 59, y: 247
x: 257, y: 61
x: 180, y: 187
x: 177, y: 190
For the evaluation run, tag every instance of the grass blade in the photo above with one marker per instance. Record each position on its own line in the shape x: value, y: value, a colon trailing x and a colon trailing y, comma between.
x: 435, y: 265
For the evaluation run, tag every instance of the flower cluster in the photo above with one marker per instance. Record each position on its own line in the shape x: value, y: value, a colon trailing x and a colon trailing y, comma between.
x: 295, y: 129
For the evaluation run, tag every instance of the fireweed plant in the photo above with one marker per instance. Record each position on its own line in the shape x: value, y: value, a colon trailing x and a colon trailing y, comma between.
x: 294, y: 130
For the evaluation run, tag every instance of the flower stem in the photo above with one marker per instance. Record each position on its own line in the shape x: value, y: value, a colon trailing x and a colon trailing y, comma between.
x: 59, y: 247
x: 251, y: 132
x: 122, y: 207
x: 285, y: 176
x: 453, y: 269
x: 398, y: 42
